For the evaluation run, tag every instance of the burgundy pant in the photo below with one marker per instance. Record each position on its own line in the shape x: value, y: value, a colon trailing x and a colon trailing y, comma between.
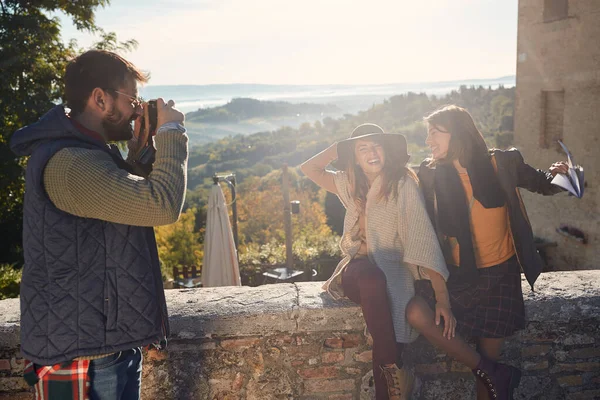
x: 365, y: 284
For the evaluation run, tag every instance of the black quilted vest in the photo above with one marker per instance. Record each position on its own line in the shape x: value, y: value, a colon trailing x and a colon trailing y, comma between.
x: 89, y: 286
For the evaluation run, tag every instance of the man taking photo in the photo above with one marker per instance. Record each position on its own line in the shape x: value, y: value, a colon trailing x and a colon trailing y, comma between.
x: 91, y: 292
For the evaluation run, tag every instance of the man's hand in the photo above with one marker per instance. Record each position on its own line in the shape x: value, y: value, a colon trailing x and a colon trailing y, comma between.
x: 140, y: 138
x: 559, y: 167
x: 444, y: 311
x: 166, y: 113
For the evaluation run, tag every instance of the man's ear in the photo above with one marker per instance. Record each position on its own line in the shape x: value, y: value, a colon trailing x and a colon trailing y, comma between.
x: 99, y: 99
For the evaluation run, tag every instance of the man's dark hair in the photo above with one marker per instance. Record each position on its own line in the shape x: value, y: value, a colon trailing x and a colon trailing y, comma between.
x: 96, y: 69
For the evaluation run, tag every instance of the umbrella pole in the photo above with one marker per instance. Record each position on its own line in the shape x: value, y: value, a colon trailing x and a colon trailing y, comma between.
x: 287, y: 219
x: 234, y: 211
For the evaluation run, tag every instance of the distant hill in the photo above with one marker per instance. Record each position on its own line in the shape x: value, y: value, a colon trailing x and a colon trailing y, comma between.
x: 350, y: 98
x: 241, y: 109
x: 245, y: 116
x: 208, y: 92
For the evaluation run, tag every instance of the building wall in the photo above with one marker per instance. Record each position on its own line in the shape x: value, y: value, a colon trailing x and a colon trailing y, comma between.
x: 558, y: 95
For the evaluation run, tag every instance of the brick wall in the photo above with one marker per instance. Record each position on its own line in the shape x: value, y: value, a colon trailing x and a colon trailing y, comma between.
x: 290, y: 341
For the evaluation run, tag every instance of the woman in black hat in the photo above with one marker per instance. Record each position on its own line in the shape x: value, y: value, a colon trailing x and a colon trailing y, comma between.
x: 472, y: 195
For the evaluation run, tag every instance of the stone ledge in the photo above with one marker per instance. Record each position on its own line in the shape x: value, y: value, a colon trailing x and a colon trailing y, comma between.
x: 304, y: 307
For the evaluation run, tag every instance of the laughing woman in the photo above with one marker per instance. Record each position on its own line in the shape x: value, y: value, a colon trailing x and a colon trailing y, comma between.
x: 388, y: 241
x: 471, y: 194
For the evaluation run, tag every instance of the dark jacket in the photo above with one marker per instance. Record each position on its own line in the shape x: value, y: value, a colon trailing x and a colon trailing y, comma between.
x: 89, y: 286
x: 513, y: 174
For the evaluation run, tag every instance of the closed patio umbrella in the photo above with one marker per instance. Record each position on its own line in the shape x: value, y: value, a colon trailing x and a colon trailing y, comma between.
x: 220, y: 267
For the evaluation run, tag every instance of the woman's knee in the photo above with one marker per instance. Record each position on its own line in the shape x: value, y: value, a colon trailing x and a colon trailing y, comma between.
x: 417, y: 312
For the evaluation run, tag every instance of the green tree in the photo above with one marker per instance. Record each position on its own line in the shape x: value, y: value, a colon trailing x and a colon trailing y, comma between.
x: 179, y: 243
x: 32, y: 62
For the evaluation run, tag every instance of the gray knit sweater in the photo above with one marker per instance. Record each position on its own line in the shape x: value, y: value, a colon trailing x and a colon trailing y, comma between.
x: 401, y: 242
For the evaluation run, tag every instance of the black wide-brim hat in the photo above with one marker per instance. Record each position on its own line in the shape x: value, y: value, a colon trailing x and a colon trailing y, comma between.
x: 394, y: 145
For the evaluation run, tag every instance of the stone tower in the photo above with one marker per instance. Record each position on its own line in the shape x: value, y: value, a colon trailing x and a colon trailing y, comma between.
x: 558, y: 97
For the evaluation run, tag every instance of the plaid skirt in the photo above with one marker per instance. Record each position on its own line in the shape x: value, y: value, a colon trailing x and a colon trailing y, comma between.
x: 493, y: 308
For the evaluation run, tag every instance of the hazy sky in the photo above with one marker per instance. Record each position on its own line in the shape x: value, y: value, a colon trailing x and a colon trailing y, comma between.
x: 313, y: 41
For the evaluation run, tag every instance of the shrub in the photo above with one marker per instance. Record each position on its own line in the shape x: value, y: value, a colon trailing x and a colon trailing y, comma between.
x: 10, y: 280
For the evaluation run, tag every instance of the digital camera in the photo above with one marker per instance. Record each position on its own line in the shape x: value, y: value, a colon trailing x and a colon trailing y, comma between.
x: 147, y: 154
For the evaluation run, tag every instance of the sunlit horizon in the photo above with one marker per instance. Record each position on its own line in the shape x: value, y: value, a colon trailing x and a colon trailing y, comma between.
x: 316, y: 42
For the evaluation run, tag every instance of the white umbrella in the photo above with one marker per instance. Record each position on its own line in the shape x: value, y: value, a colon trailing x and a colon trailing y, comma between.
x: 220, y: 267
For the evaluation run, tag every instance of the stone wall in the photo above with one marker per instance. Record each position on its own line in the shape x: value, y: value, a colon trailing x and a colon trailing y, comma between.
x: 290, y: 341
x: 561, y: 55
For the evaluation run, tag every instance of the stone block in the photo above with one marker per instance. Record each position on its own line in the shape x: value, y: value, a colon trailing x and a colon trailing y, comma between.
x: 535, y: 366
x: 426, y: 369
x: 577, y: 339
x: 17, y: 396
x: 539, y: 350
x: 345, y: 396
x: 351, y: 340
x: 332, y: 357
x: 538, y: 388
x: 17, y: 365
x: 272, y: 386
x: 449, y: 389
x: 459, y: 367
x: 584, y: 367
x: 353, y: 371
x: 5, y: 365
x: 365, y: 356
x: 238, y: 382
x: 319, y: 372
x: 274, y: 352
x: 239, y: 344
x: 334, y: 343
x: 13, y: 384
x: 330, y: 385
x: 590, y: 352
x: 584, y: 395
x: 561, y: 355
x: 303, y: 352
x: 571, y: 380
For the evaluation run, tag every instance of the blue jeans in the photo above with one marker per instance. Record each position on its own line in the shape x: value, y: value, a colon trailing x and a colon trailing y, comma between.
x: 117, y: 377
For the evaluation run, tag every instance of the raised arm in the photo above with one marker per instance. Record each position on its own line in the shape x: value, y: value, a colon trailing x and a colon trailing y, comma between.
x: 535, y: 180
x: 88, y: 183
x: 314, y: 168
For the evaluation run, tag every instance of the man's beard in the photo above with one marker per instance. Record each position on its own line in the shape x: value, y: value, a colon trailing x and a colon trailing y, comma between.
x: 116, y: 127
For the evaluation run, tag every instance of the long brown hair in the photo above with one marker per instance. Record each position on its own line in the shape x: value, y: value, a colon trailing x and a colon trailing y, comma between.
x: 466, y: 142
x: 393, y: 171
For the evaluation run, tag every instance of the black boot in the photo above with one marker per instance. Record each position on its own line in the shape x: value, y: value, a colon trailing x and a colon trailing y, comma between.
x: 500, y: 380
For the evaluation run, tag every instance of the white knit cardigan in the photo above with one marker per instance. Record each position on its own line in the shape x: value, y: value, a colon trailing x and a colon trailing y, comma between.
x: 400, y: 241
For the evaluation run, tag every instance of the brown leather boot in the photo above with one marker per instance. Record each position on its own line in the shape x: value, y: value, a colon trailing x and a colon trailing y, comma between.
x: 500, y: 380
x: 401, y: 383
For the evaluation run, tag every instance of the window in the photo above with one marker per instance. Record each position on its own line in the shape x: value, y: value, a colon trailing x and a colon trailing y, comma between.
x: 555, y: 10
x: 553, y: 111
